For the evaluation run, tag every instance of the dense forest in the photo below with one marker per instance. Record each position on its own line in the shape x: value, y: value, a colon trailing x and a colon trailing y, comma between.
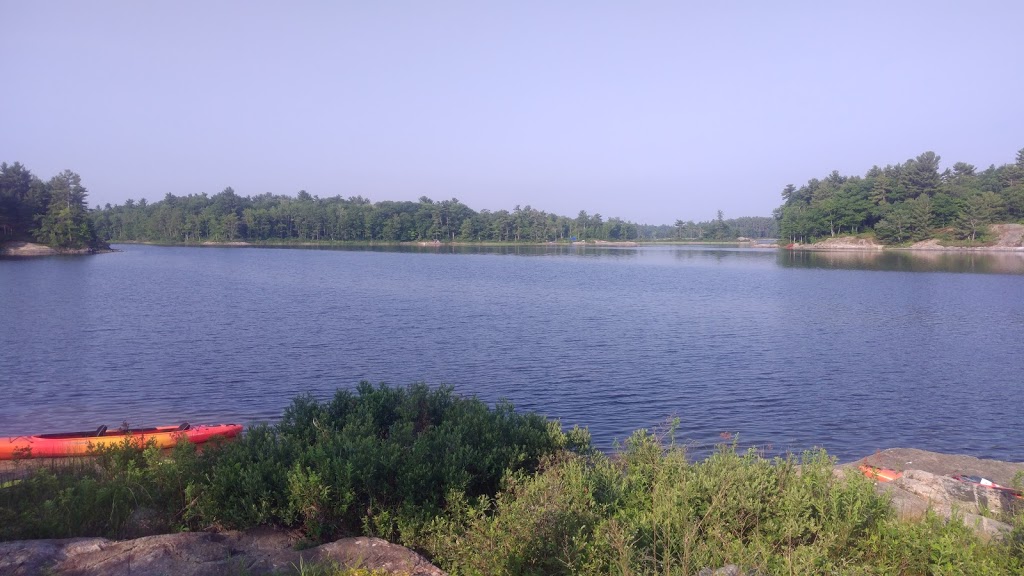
x: 905, y: 202
x: 270, y: 218
x: 226, y: 217
x: 52, y: 212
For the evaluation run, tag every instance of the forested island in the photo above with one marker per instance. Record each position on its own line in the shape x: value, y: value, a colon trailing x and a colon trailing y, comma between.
x: 53, y: 212
x: 895, y: 205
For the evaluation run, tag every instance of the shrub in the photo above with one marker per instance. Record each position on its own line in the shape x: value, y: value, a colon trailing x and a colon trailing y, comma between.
x: 651, y: 511
x: 377, y: 461
x: 96, y: 495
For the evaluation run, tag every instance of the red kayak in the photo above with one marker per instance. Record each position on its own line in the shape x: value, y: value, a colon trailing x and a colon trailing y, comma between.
x: 78, y: 443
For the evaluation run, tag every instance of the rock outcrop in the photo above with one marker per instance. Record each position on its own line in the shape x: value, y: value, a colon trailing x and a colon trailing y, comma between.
x: 17, y: 249
x: 928, y: 483
x: 26, y: 249
x: 255, y: 552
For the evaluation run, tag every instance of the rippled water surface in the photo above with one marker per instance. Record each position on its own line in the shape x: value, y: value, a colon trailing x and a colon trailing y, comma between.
x: 789, y: 351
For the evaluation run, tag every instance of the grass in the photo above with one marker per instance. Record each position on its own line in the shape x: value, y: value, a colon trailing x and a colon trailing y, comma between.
x: 490, y: 491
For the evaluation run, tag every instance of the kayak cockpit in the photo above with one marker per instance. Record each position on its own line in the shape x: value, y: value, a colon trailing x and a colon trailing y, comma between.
x: 102, y: 431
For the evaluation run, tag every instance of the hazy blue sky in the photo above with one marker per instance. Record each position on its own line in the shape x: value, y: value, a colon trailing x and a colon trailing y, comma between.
x: 650, y: 111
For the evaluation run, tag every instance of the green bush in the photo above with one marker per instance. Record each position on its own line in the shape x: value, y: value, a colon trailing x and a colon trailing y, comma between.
x: 377, y: 461
x: 246, y: 483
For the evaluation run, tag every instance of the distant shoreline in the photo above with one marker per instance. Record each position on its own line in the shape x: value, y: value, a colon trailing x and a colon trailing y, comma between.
x: 1009, y: 239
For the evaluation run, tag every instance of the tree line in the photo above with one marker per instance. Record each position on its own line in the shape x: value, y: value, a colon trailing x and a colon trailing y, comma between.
x: 25, y: 207
x: 905, y: 202
x: 898, y: 203
x: 227, y: 216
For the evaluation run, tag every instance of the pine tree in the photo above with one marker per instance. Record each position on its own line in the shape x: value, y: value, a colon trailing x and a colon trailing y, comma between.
x: 66, y: 222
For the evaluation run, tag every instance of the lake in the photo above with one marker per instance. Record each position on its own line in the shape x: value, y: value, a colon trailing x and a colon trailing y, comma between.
x: 785, y: 351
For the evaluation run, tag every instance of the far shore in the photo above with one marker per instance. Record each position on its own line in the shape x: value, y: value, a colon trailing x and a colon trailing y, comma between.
x: 1007, y: 238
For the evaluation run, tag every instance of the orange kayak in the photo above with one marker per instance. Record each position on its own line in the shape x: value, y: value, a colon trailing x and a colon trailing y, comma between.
x: 880, y: 474
x: 78, y: 443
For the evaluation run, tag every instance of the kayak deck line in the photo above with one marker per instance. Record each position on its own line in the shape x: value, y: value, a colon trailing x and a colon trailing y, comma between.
x: 120, y: 432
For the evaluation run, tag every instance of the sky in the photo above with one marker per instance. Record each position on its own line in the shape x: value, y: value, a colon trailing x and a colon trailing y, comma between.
x: 649, y: 111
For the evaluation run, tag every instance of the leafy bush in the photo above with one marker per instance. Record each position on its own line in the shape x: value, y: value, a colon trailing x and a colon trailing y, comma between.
x: 378, y: 461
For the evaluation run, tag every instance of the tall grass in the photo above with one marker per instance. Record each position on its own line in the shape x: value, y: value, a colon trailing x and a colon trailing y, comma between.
x: 651, y: 511
x: 97, y: 495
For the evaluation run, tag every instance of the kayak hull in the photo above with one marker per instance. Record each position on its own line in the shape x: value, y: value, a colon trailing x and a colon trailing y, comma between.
x: 79, y: 443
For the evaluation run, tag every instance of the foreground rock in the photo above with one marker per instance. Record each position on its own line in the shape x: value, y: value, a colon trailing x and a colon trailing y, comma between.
x: 928, y: 483
x: 253, y: 553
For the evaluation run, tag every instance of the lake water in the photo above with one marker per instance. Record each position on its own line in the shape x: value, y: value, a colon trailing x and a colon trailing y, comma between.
x: 787, y: 350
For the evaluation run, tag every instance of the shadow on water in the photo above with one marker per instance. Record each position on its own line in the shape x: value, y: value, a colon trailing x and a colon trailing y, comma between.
x: 907, y: 261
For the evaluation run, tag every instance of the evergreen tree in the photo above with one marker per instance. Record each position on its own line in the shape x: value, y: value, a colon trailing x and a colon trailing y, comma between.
x: 977, y: 212
x: 66, y: 222
x: 22, y: 198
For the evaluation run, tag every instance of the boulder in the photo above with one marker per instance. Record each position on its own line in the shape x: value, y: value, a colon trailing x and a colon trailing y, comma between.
x: 255, y: 552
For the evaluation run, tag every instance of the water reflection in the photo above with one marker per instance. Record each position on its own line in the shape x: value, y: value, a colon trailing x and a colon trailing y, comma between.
x: 887, y: 260
x: 560, y: 249
x: 906, y: 261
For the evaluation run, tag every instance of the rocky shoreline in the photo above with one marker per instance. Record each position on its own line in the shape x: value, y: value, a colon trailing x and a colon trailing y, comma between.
x: 926, y: 483
x: 33, y: 250
x: 1009, y: 238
